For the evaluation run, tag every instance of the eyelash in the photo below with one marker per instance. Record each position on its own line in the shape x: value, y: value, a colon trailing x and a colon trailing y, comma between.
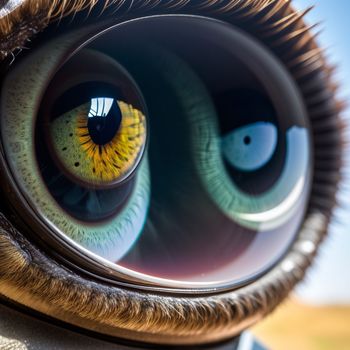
x: 291, y: 34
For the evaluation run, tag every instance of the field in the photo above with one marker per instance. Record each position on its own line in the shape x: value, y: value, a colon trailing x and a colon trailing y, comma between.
x: 304, y: 327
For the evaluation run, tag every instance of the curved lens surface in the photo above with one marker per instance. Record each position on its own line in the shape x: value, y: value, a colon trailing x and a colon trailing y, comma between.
x: 170, y: 156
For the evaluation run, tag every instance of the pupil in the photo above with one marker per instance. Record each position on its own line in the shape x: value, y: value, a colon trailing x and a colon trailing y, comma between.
x: 103, y: 120
x: 247, y: 140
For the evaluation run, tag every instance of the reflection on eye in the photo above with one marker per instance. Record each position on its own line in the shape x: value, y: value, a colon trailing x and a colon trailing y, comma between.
x: 218, y: 191
x: 250, y: 147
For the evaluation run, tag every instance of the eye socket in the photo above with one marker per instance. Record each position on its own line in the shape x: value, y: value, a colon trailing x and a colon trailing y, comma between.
x: 188, y: 214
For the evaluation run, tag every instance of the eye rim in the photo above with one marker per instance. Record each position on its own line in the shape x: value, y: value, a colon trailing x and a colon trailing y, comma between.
x: 84, y: 260
x: 254, y: 302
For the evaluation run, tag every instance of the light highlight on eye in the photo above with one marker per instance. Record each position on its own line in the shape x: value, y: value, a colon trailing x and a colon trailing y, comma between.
x: 100, y: 107
x: 251, y: 146
x: 101, y: 141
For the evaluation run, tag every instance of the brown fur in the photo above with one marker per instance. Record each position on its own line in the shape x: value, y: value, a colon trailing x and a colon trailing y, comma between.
x: 29, y: 277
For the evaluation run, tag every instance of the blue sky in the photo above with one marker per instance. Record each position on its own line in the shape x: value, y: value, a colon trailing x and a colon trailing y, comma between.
x: 329, y: 279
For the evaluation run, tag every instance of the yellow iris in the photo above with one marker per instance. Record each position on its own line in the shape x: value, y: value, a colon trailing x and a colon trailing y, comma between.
x: 93, y: 163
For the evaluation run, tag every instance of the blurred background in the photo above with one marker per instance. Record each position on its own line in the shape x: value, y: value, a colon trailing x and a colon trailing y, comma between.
x: 317, y: 316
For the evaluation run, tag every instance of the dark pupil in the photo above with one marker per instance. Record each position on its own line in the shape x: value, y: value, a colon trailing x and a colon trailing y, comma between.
x: 103, y: 122
x: 247, y: 140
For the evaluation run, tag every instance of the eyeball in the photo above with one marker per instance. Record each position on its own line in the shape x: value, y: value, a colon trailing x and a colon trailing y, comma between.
x: 158, y: 163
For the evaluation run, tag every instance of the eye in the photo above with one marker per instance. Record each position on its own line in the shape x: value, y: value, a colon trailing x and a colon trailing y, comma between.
x: 92, y: 122
x: 92, y: 140
x: 175, y: 155
x: 249, y: 147
x: 95, y: 148
x: 84, y: 174
x: 259, y: 170
x: 84, y: 151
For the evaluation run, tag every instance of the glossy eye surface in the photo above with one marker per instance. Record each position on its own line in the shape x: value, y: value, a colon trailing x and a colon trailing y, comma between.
x: 258, y: 161
x: 167, y: 159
